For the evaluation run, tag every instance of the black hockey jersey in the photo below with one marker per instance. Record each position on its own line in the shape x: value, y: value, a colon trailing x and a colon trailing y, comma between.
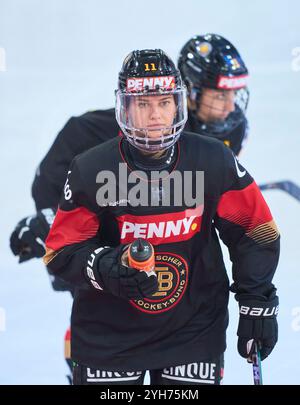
x: 186, y: 319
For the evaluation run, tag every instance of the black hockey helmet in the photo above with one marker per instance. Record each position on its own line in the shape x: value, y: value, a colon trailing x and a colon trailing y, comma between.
x: 146, y: 73
x: 148, y: 63
x: 211, y: 61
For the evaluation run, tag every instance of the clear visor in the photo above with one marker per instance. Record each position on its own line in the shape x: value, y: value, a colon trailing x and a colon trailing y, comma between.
x: 222, y: 111
x: 242, y: 99
x: 216, y: 105
x: 152, y: 121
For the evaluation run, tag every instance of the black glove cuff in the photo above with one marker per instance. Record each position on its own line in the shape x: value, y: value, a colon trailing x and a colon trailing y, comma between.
x: 92, y: 273
x: 101, y: 262
x: 256, y: 309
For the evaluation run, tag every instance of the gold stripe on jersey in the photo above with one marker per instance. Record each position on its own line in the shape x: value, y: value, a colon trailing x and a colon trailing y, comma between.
x: 264, y: 233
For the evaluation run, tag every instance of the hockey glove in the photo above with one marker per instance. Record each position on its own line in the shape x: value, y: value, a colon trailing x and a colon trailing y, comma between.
x: 257, y: 323
x: 27, y: 240
x: 107, y: 271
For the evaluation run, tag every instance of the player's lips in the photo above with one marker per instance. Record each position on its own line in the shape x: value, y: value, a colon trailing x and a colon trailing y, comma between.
x: 155, y: 126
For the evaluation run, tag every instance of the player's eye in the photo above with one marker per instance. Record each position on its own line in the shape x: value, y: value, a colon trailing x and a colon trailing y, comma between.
x: 165, y: 103
x: 142, y: 104
x: 220, y: 96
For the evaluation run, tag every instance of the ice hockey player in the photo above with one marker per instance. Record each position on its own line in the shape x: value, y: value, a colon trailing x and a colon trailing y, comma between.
x: 172, y: 321
x: 220, y: 119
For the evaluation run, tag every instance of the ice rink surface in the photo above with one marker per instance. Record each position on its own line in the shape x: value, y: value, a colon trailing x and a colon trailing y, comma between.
x: 61, y: 58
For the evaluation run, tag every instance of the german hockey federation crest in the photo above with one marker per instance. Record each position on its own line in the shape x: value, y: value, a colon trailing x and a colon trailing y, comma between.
x: 172, y: 275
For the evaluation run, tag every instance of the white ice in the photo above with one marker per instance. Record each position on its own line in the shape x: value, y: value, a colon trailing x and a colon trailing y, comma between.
x: 62, y: 59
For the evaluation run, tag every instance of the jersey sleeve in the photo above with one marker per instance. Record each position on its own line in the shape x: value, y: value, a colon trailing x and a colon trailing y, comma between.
x: 74, y: 233
x: 246, y: 226
x: 79, y: 134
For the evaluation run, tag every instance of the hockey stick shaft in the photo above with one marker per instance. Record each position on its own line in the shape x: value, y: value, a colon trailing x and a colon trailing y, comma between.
x: 288, y: 186
x: 256, y: 366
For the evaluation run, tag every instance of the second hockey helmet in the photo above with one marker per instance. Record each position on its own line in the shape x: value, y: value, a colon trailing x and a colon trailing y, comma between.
x: 211, y: 61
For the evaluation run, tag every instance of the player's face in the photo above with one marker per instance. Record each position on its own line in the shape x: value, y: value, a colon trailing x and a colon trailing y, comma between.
x: 153, y: 113
x: 216, y: 105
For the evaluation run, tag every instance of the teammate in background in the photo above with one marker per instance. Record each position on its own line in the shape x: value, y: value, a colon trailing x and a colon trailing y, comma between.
x: 215, y: 75
x: 173, y: 322
x: 216, y: 79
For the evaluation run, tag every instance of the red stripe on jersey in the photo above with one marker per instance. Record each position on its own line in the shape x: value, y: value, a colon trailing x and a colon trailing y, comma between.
x: 71, y: 227
x: 161, y: 228
x: 245, y: 207
x: 68, y: 334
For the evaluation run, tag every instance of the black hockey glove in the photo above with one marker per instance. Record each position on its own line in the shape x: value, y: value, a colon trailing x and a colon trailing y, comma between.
x: 257, y: 323
x: 27, y: 240
x: 106, y: 271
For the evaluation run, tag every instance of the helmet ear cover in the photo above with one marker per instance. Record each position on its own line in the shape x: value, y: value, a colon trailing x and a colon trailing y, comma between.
x: 194, y: 94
